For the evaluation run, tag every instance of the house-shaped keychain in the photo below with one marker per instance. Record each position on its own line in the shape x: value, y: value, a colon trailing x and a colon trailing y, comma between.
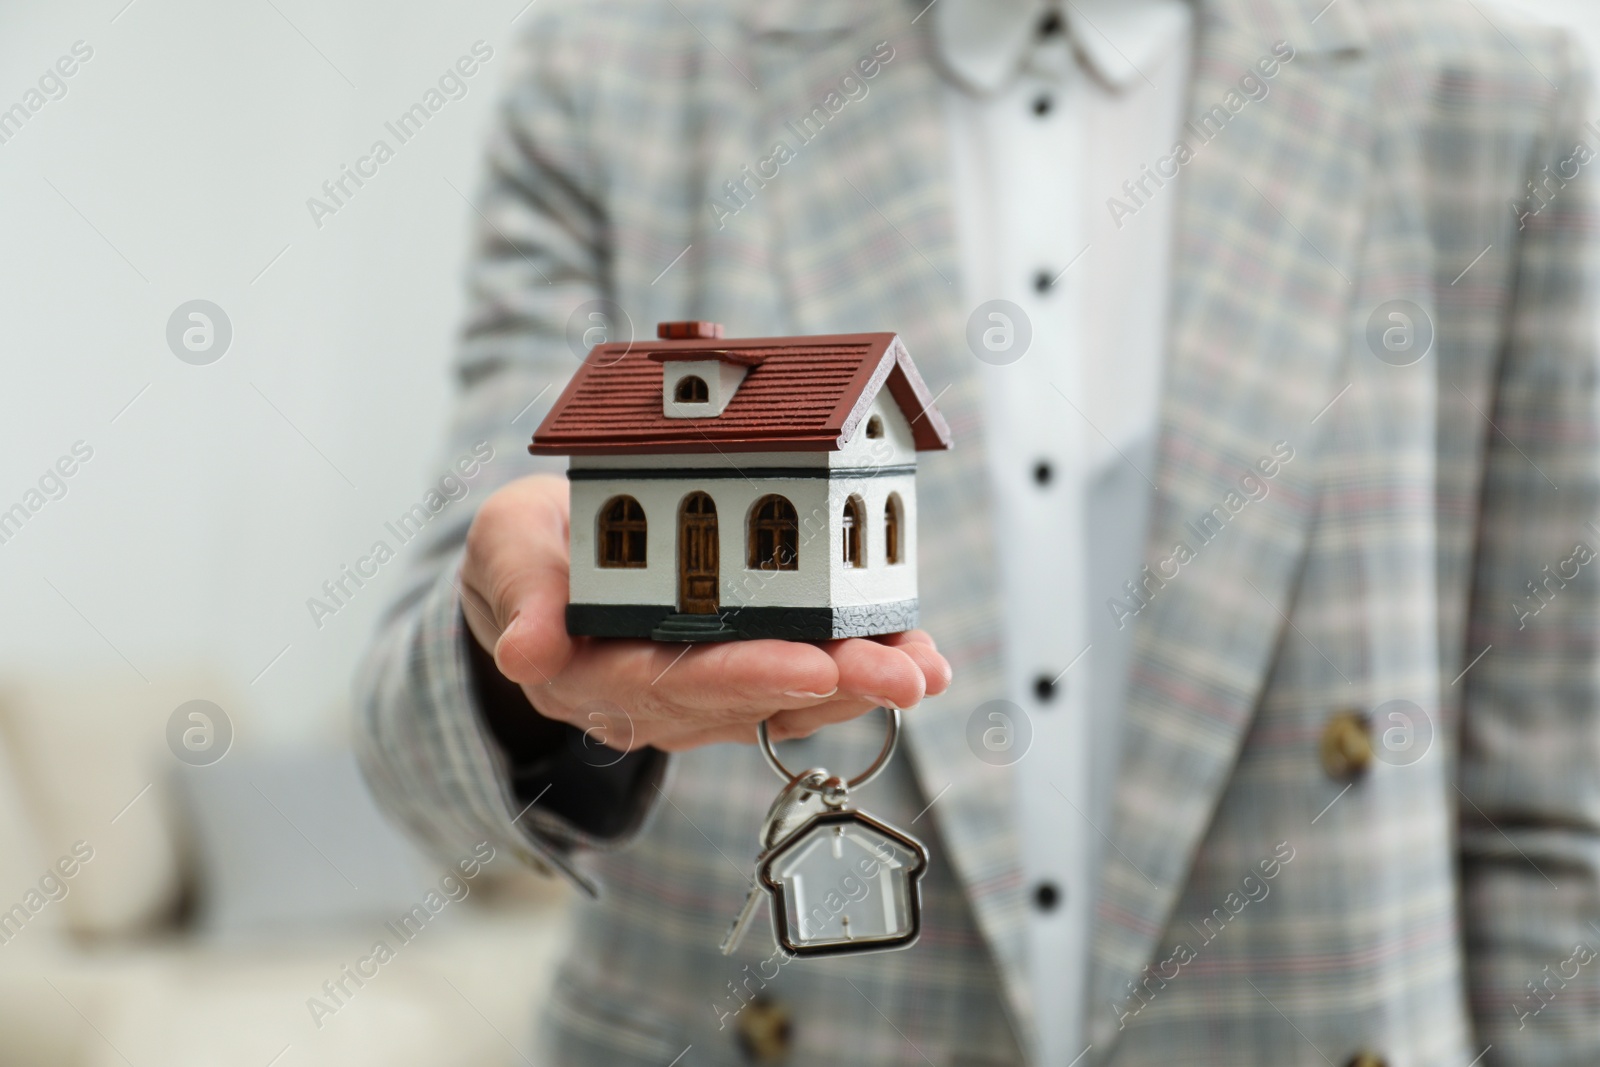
x: 844, y: 882
x: 749, y: 488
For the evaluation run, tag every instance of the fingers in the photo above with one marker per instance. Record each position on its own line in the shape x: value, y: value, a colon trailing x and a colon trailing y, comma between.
x: 868, y: 678
x: 715, y: 694
x: 514, y: 579
x: 918, y: 644
x: 876, y: 672
x: 907, y: 637
x: 670, y: 690
x: 803, y: 722
x: 751, y: 679
x: 788, y: 725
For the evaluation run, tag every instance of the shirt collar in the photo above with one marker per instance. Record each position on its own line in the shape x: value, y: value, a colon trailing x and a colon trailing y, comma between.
x: 983, y: 44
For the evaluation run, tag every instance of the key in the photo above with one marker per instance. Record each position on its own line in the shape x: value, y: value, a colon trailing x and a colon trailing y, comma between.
x: 735, y: 933
x: 786, y: 811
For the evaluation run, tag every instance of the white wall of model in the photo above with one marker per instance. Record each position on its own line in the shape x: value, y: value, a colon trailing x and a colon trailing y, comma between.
x: 822, y: 578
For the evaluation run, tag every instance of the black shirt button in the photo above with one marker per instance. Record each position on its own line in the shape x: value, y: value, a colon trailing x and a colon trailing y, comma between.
x: 1046, y: 896
x: 1044, y: 687
x: 1043, y: 472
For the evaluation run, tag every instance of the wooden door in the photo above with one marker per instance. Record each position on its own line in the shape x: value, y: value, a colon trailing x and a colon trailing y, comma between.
x: 699, y: 580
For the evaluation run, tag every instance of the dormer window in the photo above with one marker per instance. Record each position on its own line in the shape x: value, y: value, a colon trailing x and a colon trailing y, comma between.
x: 699, y: 378
x: 691, y: 389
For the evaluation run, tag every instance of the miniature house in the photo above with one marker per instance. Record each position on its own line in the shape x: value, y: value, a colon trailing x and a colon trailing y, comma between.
x: 844, y: 882
x: 743, y: 488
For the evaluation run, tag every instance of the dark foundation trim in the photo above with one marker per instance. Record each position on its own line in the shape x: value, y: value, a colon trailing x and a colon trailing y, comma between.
x: 614, y: 620
x: 749, y: 623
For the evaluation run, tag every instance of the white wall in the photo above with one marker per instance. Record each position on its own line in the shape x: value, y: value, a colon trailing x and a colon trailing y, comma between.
x: 178, y: 166
x: 878, y: 581
x: 657, y: 581
x: 821, y: 578
x: 894, y: 448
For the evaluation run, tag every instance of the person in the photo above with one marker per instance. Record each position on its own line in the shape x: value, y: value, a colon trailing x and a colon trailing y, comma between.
x: 1254, y: 716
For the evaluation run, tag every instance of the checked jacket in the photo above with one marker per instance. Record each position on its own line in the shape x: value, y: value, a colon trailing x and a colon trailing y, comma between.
x: 1433, y: 903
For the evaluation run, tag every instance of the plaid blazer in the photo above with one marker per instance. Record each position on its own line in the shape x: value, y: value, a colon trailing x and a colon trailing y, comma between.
x: 1428, y: 544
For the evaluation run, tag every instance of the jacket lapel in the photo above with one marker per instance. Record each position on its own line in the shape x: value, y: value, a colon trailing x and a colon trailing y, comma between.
x: 1268, y: 237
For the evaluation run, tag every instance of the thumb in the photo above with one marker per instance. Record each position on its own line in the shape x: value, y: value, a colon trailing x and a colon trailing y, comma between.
x: 534, y: 646
x: 514, y: 579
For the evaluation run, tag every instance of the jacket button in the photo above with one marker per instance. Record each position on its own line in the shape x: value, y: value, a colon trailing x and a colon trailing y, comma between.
x: 1346, y: 746
x: 1367, y: 1059
x: 764, y: 1031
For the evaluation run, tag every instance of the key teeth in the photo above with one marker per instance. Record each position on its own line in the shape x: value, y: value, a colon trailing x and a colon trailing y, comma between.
x: 741, y: 922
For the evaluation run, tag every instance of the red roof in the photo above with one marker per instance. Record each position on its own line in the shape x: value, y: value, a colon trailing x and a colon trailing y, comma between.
x: 801, y: 394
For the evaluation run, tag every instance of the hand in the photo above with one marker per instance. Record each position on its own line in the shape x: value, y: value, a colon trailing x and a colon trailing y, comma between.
x: 676, y: 697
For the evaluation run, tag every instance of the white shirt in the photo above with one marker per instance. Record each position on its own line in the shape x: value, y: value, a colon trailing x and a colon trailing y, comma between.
x: 1050, y: 111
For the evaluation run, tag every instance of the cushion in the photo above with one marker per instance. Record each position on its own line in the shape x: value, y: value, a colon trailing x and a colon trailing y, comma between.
x: 23, y: 865
x: 89, y: 752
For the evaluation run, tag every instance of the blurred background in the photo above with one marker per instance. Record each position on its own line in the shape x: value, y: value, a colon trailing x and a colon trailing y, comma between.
x: 209, y: 500
x: 190, y: 870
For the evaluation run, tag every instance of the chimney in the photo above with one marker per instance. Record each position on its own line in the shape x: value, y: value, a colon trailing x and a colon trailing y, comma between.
x: 689, y: 331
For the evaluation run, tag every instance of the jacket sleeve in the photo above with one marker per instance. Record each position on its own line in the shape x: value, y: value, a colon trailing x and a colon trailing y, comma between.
x: 1529, y: 775
x: 452, y: 750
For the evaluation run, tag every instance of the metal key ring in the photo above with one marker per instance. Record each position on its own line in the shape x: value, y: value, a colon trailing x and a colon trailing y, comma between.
x: 859, y: 780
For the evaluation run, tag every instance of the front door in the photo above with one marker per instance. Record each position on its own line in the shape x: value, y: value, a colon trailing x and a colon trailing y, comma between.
x: 698, y: 577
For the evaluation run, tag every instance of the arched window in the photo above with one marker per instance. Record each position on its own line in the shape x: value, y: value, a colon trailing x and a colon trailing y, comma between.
x: 853, y: 525
x: 892, y: 523
x: 622, y: 533
x: 774, y: 535
x: 691, y: 389
x: 875, y: 426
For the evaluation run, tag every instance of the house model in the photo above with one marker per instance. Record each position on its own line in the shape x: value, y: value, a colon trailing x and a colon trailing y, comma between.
x: 761, y: 487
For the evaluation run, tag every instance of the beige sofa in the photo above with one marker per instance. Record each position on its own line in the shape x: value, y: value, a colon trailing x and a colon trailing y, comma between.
x: 106, y: 955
